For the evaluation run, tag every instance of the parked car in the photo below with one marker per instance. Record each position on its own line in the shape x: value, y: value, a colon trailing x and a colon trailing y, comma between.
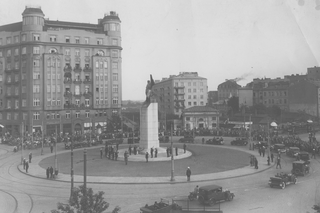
x: 212, y: 194
x: 300, y: 168
x: 279, y: 148
x: 304, y: 156
x: 293, y: 151
x: 282, y: 180
x: 239, y: 142
x: 215, y: 141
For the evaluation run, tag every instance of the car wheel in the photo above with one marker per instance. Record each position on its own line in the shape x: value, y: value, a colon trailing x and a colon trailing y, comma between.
x: 283, y: 185
x: 230, y: 197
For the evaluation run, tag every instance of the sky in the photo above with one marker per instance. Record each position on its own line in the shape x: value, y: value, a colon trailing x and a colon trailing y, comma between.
x: 219, y: 39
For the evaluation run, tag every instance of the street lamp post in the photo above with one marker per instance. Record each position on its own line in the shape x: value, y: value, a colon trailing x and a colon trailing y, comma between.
x: 85, y: 179
x: 22, y: 135
x: 172, y: 156
x: 71, y: 158
x: 55, y: 152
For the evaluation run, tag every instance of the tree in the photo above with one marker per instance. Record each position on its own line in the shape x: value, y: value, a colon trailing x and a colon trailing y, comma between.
x: 77, y: 204
x: 233, y: 103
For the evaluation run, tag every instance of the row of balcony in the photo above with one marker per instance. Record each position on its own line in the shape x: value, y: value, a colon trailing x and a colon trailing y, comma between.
x: 76, y: 106
x: 77, y: 69
x: 77, y: 81
x: 70, y: 94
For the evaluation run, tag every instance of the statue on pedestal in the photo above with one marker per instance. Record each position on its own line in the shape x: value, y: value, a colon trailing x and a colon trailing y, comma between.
x: 149, y: 86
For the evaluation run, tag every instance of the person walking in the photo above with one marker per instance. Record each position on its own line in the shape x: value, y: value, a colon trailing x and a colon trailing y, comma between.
x: 202, y: 140
x: 130, y: 149
x: 116, y: 153
x: 24, y: 163
x: 268, y: 160
x: 151, y: 152
x: 126, y: 156
x: 51, y: 172
x: 278, y: 163
x: 101, y: 153
x: 184, y: 148
x: 51, y: 147
x: 188, y: 173
x: 256, y: 163
x: 27, y: 166
x: 48, y: 172
x: 272, y: 157
x: 176, y: 151
x: 147, y: 157
x: 155, y: 152
x: 106, y: 150
x: 30, y: 157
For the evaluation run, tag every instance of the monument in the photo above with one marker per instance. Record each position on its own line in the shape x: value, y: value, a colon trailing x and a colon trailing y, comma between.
x: 149, y: 126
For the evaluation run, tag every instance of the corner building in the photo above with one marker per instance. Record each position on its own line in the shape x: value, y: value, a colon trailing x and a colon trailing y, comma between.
x: 59, y: 76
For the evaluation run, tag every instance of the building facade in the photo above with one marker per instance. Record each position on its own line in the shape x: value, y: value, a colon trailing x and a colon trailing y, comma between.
x: 181, y: 91
x: 200, y: 117
x: 59, y: 76
x: 228, y: 89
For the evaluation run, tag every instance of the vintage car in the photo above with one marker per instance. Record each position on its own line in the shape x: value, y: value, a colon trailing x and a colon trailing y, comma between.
x: 282, y: 180
x: 304, y: 156
x: 293, y: 151
x: 279, y: 148
x: 186, y: 139
x: 215, y: 141
x: 300, y: 168
x: 239, y: 142
x: 260, y: 144
x: 163, y: 206
x: 212, y: 194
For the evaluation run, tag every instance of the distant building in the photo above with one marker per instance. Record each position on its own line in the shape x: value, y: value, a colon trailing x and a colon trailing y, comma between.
x: 212, y: 98
x: 245, y: 96
x: 200, y: 117
x: 313, y: 73
x: 57, y: 75
x: 228, y: 89
x: 178, y: 92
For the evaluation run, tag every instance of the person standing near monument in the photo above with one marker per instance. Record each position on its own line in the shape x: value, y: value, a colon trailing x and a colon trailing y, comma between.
x: 151, y: 152
x: 184, y: 148
x: 176, y: 151
x: 126, y: 156
x: 147, y: 157
x: 188, y: 173
x: 155, y: 152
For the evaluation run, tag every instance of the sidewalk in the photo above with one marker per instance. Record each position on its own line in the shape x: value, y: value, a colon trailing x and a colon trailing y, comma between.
x: 36, y: 171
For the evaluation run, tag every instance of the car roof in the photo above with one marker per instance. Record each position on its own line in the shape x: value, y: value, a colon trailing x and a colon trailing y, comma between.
x: 210, y: 187
x: 299, y: 162
x: 304, y: 152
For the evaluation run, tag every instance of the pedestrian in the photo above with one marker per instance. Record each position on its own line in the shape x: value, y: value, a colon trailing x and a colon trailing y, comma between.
x: 51, y: 172
x: 268, y: 160
x: 27, y: 166
x: 48, y: 172
x: 101, y: 153
x: 155, y: 152
x: 51, y: 147
x: 260, y: 151
x: 106, y: 151
x: 188, y: 173
x: 255, y: 163
x: 184, y: 148
x: 117, y: 146
x: 24, y: 163
x: 126, y: 156
x: 202, y: 140
x: 147, y: 157
x: 263, y: 151
x: 176, y: 151
x: 251, y: 160
x: 278, y: 163
x: 130, y: 149
x: 134, y: 149
x: 116, y: 155
x: 272, y: 157
x: 314, y: 153
x: 151, y: 152
x: 167, y: 151
x: 30, y: 157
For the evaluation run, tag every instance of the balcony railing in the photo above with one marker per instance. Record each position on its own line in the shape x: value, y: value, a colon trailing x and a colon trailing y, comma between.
x: 77, y: 81
x: 87, y: 69
x: 77, y: 69
x: 76, y: 106
x: 87, y: 94
x: 67, y: 81
x: 67, y: 94
x: 87, y: 81
x: 67, y: 69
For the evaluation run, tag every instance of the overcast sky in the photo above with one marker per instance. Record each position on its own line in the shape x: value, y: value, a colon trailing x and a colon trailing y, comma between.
x: 219, y: 39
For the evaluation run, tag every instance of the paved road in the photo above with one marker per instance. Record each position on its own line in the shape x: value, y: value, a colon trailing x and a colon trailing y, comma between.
x: 22, y: 193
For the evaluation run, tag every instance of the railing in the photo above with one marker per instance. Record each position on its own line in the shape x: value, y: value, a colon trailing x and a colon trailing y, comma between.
x: 67, y: 69
x: 87, y: 69
x: 86, y: 81
x: 77, y: 81
x: 77, y: 69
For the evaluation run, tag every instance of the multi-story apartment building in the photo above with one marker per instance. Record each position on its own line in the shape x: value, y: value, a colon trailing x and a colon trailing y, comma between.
x: 181, y: 91
x: 227, y: 89
x: 59, y: 76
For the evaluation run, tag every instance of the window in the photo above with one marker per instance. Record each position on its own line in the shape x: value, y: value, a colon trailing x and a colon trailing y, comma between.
x: 16, y: 51
x: 53, y: 88
x: 194, y: 90
x: 99, y: 41
x: 101, y: 77
x: 36, y: 75
x: 0, y: 54
x: 58, y: 101
x: 105, y: 65
x: 9, y: 78
x: 8, y: 104
x: 189, y: 103
x: 36, y: 102
x: 77, y: 114
x: 53, y: 38
x: 97, y: 101
x: 195, y: 103
x: 115, y: 100
x: 114, y: 65
x: 68, y: 115
x: 8, y: 40
x: 77, y: 52
x: 201, y: 96
x: 105, y: 77
x: 201, y: 83
x: 87, y: 102
x: 67, y: 51
x: 16, y: 90
x: 8, y: 53
x: 8, y: 66
x: 189, y: 90
x: 16, y: 65
x: 36, y: 116
x: 101, y: 101
x: 77, y: 89
x: 87, y: 114
x: 8, y: 116
x: 36, y: 62
x: 53, y: 115
x: 77, y: 102
x: 58, y: 115
x: 86, y: 40
x: 115, y: 88
x: 24, y: 37
x: 101, y: 64
x: 24, y: 102
x: 86, y: 52
x: 115, y: 76
x: 67, y: 39
x: 24, y: 50
x: 201, y: 103
x: 201, y: 90
x: 16, y: 104
x: 36, y: 88
x: 16, y: 39
x: 36, y: 50
x: 97, y: 64
x: 36, y: 37
x: 106, y: 101
x: 114, y: 53
x: 77, y: 39
x: 115, y: 42
x: 23, y: 89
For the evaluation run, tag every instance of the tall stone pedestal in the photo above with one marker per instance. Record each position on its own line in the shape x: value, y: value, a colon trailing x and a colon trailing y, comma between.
x: 149, y: 137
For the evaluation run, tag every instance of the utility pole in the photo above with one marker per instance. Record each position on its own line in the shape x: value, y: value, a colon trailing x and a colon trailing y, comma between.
x: 172, y: 158
x: 85, y: 179
x: 250, y: 141
x: 55, y: 153
x: 22, y: 133
x: 71, y: 158
x: 42, y: 138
